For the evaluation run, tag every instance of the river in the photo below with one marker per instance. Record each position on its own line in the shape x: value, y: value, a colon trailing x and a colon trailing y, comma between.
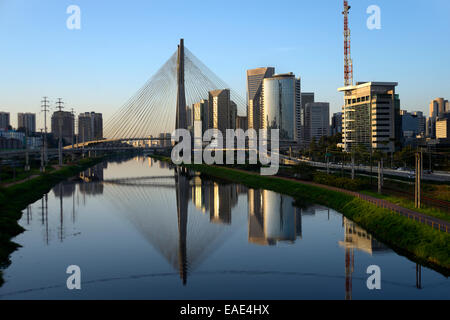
x: 137, y: 229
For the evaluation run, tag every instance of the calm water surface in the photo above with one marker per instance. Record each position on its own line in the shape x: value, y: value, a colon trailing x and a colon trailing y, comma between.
x: 139, y: 230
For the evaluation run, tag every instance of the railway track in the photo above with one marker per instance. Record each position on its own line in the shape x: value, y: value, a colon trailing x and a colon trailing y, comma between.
x: 441, y: 204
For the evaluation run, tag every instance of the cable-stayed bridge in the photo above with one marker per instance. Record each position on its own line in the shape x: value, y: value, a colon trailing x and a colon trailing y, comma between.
x: 160, y: 106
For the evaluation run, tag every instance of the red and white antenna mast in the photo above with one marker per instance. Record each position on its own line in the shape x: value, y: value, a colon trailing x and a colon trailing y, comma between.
x: 348, y: 64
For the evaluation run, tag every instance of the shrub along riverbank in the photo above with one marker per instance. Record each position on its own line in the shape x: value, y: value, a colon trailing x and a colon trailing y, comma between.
x: 417, y: 241
x: 14, y: 199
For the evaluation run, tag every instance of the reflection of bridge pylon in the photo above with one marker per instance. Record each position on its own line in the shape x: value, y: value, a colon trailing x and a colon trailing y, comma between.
x: 182, y: 211
x: 184, y: 242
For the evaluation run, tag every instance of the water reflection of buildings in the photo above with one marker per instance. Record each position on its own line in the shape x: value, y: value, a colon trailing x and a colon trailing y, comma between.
x: 88, y: 183
x: 357, y: 238
x: 92, y: 179
x: 272, y: 218
x: 217, y: 199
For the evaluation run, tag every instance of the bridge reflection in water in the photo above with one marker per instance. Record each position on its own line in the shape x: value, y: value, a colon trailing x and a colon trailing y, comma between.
x: 203, y: 214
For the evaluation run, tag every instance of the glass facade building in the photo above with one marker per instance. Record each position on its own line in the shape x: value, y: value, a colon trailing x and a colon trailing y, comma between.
x: 281, y: 105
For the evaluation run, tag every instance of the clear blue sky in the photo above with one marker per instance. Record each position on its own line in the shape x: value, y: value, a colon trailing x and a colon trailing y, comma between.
x: 122, y: 43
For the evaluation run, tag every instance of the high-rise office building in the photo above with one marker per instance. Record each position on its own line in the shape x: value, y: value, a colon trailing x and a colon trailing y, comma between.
x: 165, y: 139
x: 189, y: 116
x: 317, y: 121
x: 437, y: 107
x: 221, y: 111
x: 90, y: 126
x: 413, y: 123
x: 63, y: 122
x: 372, y: 116
x: 255, y: 79
x: 443, y: 128
x: 233, y: 115
x: 242, y: 123
x: 200, y: 113
x: 306, y: 97
x: 422, y: 121
x: 4, y: 120
x: 27, y: 121
x: 336, y: 123
x: 281, y: 105
x: 447, y: 106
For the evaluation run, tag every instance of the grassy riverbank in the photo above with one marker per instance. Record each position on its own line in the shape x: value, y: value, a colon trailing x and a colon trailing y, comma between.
x: 417, y: 241
x: 16, y: 198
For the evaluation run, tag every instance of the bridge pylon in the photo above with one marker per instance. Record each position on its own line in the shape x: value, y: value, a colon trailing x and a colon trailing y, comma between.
x: 181, y: 117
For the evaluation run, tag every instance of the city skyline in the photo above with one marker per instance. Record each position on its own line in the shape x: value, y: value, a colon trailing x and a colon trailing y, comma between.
x: 98, y: 73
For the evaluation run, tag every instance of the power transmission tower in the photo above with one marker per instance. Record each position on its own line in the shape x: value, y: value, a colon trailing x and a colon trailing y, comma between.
x: 44, y: 108
x: 60, y: 106
x: 42, y: 155
x: 27, y: 155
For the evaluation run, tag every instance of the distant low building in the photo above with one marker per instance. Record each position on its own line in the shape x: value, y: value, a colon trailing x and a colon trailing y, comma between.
x: 11, y: 139
x: 10, y: 144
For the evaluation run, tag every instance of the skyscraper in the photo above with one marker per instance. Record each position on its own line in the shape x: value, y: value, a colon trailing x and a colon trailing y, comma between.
x: 437, y: 107
x: 90, y: 126
x: 281, y: 105
x: 255, y: 79
x: 189, y: 117
x: 27, y: 121
x: 4, y: 120
x: 64, y: 122
x: 336, y: 123
x: 317, y: 121
x: 221, y: 110
x: 372, y: 116
x: 306, y: 97
x: 242, y: 123
x: 443, y: 127
x: 413, y: 123
x: 200, y: 113
x: 233, y: 116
